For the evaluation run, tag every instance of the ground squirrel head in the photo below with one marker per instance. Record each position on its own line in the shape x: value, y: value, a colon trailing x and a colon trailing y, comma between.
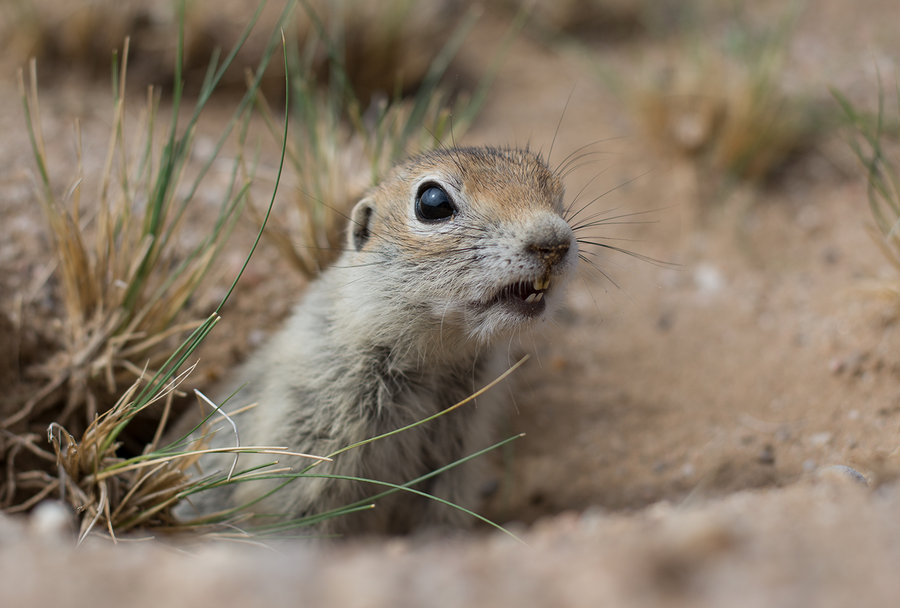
x: 471, y: 240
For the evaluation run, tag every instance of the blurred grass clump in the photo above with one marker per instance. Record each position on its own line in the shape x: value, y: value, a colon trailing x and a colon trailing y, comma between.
x: 875, y: 141
x: 717, y: 98
x: 381, y: 42
x: 601, y: 20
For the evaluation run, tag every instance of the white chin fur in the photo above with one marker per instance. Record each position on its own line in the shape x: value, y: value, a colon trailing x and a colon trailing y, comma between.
x: 487, y: 326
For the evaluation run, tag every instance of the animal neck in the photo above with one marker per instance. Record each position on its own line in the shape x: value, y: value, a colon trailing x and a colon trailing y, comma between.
x: 374, y: 315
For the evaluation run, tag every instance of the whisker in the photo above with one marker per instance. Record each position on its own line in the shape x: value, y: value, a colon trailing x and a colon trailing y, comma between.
x: 568, y: 209
x: 634, y: 254
x: 597, y: 268
x: 601, y: 195
x: 576, y: 154
x: 600, y: 223
x: 617, y: 238
x: 606, y: 212
x: 559, y: 124
x: 575, y: 165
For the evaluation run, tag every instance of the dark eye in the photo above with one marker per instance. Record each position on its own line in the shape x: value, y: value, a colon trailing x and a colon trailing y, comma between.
x: 433, y: 204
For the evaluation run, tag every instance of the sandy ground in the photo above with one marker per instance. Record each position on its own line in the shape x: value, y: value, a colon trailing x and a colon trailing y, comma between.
x: 828, y: 544
x: 682, y: 425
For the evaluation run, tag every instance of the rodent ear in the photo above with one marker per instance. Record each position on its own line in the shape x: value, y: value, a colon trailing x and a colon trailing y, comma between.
x: 360, y: 218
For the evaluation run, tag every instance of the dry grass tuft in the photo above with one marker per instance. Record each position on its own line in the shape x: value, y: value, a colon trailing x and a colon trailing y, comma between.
x: 723, y: 105
x: 127, y: 265
x: 117, y: 494
x: 109, y: 490
x: 120, y: 494
x: 124, y: 273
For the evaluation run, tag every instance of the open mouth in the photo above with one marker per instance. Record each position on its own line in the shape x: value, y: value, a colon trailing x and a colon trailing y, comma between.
x: 525, y: 297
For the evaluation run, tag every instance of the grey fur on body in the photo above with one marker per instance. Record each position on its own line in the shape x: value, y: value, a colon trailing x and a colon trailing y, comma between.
x: 402, y: 326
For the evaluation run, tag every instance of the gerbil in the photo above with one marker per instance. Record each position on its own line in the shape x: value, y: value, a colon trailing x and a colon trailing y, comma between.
x: 456, y: 251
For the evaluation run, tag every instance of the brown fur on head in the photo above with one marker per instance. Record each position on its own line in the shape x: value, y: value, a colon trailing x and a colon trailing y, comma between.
x: 497, y: 189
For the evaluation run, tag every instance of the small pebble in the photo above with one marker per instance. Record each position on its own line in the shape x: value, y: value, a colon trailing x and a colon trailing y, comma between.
x: 256, y: 337
x: 820, y: 439
x: 842, y: 473
x: 852, y: 364
x: 766, y: 455
x: 51, y: 521
x: 708, y: 279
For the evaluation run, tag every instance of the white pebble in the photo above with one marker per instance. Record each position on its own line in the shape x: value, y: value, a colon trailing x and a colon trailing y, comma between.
x: 51, y: 520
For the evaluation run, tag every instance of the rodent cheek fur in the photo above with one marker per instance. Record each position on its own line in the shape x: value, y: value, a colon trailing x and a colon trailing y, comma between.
x: 443, y: 278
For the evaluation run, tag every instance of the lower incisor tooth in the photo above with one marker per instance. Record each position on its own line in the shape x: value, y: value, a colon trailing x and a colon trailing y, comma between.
x: 539, y: 296
x: 531, y: 297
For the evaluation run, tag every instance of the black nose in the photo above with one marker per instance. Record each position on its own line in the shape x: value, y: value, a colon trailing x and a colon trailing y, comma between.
x: 550, y: 252
x: 548, y: 238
